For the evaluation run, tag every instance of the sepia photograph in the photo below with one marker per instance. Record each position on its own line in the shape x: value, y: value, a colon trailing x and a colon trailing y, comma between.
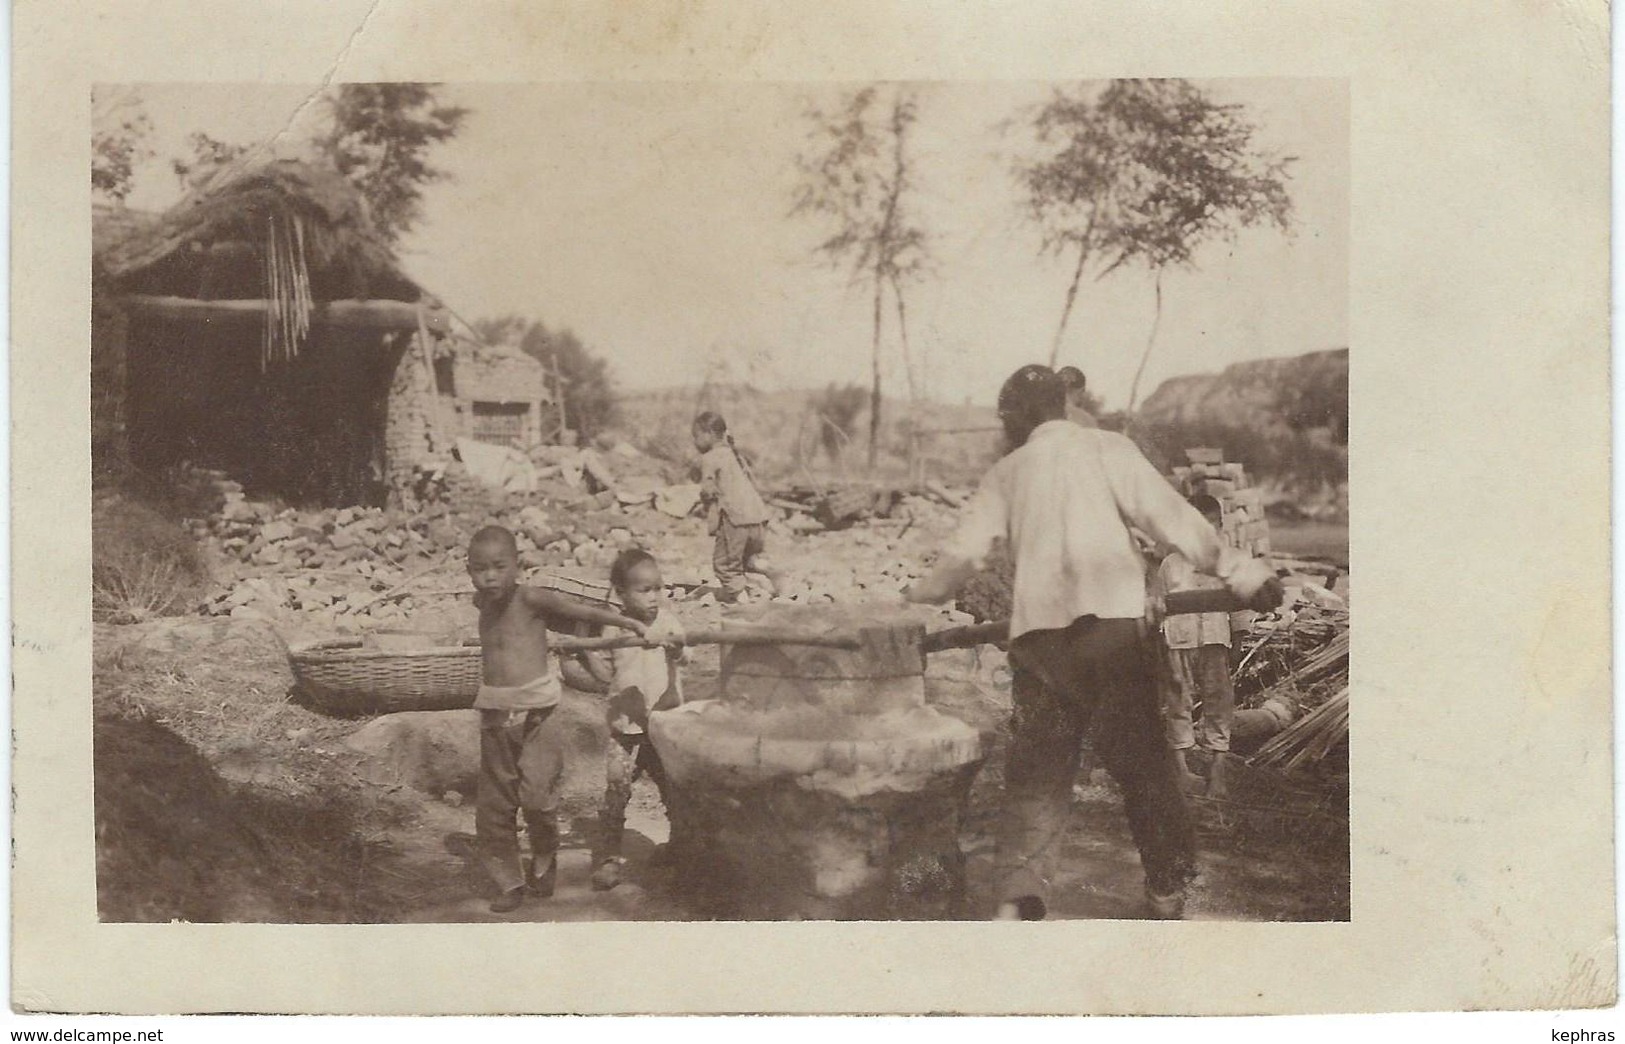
x: 699, y: 508
x: 765, y: 501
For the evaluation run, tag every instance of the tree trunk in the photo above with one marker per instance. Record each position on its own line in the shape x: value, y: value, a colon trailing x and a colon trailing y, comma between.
x: 1066, y: 312
x: 902, y: 332
x: 874, y: 394
x: 1150, y: 343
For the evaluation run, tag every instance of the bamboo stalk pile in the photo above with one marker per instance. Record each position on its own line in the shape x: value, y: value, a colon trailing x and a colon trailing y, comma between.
x: 1304, y: 664
x: 1310, y: 738
x: 1308, y: 656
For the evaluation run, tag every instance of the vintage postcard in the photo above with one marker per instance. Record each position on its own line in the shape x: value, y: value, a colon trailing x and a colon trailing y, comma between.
x: 648, y: 492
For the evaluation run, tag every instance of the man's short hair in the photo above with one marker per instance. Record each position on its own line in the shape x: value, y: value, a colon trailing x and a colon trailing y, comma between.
x: 1032, y: 395
x: 489, y: 536
x: 1073, y: 378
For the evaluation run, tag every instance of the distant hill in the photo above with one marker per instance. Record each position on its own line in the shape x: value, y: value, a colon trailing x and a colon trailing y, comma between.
x: 1301, y: 393
x: 1285, y: 418
x: 780, y: 430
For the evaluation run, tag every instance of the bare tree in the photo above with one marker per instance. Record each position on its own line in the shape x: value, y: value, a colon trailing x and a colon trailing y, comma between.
x: 1145, y: 171
x: 857, y: 174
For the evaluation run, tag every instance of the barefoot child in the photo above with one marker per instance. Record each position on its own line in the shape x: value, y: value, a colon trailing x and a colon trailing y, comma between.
x: 641, y: 680
x: 1197, y: 668
x: 736, y: 512
x: 521, y: 735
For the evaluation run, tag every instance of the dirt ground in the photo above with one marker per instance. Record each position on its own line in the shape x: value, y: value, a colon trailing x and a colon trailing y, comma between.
x: 1257, y: 866
x: 266, y: 812
x: 291, y: 819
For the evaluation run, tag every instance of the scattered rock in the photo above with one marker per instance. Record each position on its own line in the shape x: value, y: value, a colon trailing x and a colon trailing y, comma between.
x: 677, y: 501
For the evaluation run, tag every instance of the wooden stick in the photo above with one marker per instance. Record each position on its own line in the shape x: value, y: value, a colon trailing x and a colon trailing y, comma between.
x: 401, y: 587
x: 1214, y: 600
x: 788, y: 505
x: 761, y: 636
x: 439, y: 592
x: 952, y: 638
x: 989, y: 633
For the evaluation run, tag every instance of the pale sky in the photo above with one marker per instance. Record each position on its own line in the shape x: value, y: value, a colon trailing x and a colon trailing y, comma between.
x: 652, y: 219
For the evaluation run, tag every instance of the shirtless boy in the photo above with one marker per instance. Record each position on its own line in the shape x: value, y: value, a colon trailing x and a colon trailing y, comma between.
x: 521, y: 735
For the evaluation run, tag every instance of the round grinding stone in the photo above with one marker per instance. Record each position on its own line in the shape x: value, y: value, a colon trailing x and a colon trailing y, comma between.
x: 886, y: 672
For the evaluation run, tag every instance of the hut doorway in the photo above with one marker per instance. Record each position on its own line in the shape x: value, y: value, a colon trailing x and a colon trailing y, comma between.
x: 308, y: 431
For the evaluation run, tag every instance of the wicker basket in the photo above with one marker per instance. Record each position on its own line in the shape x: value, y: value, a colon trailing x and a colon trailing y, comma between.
x: 340, y: 677
x: 343, y: 677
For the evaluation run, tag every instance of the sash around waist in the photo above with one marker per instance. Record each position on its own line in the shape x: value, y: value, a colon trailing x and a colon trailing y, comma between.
x: 541, y: 691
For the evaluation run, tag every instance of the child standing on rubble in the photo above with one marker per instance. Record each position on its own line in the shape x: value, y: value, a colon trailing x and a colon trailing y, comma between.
x: 735, y: 510
x: 521, y: 732
x: 1197, y: 667
x: 641, y: 680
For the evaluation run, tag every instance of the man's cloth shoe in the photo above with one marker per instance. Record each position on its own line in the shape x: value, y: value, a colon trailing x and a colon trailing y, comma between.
x: 607, y: 876
x: 1165, y: 907
x: 508, y: 901
x: 1027, y: 908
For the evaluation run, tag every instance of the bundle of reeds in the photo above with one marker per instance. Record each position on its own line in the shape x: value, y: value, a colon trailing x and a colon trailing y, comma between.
x: 1331, y: 657
x: 287, y: 288
x: 1310, y: 738
x: 1309, y: 658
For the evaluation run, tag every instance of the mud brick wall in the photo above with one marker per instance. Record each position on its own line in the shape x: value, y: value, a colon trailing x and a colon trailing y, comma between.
x: 409, y: 423
x: 420, y: 417
x: 1242, y: 522
x: 503, y: 377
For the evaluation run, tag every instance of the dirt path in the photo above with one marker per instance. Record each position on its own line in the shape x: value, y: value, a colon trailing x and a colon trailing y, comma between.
x: 1257, y: 866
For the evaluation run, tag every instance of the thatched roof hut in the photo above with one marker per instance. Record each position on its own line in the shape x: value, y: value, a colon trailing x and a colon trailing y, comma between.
x: 259, y: 326
x: 218, y: 242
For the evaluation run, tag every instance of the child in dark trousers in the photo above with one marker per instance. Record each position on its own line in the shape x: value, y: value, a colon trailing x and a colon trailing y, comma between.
x: 521, y: 733
x: 1196, y: 669
x: 736, y: 512
x: 641, y: 680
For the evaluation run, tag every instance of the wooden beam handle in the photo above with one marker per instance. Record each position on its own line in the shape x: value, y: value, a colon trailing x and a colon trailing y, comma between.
x: 990, y: 633
x: 1214, y: 600
x: 762, y: 636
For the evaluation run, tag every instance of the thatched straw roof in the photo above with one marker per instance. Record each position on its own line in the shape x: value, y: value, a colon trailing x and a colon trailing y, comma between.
x: 216, y: 243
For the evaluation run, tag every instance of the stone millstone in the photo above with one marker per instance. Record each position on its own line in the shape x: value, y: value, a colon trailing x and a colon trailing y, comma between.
x: 886, y: 672
x: 821, y: 784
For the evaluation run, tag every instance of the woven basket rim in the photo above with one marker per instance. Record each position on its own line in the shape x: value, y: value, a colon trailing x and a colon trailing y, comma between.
x: 330, y: 650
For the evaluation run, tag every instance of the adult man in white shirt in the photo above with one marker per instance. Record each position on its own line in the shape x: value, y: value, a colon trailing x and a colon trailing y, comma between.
x: 1064, y: 498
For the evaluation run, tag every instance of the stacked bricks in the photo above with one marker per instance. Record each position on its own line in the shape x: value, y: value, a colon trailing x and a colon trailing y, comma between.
x: 1242, y: 524
x: 409, y: 437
